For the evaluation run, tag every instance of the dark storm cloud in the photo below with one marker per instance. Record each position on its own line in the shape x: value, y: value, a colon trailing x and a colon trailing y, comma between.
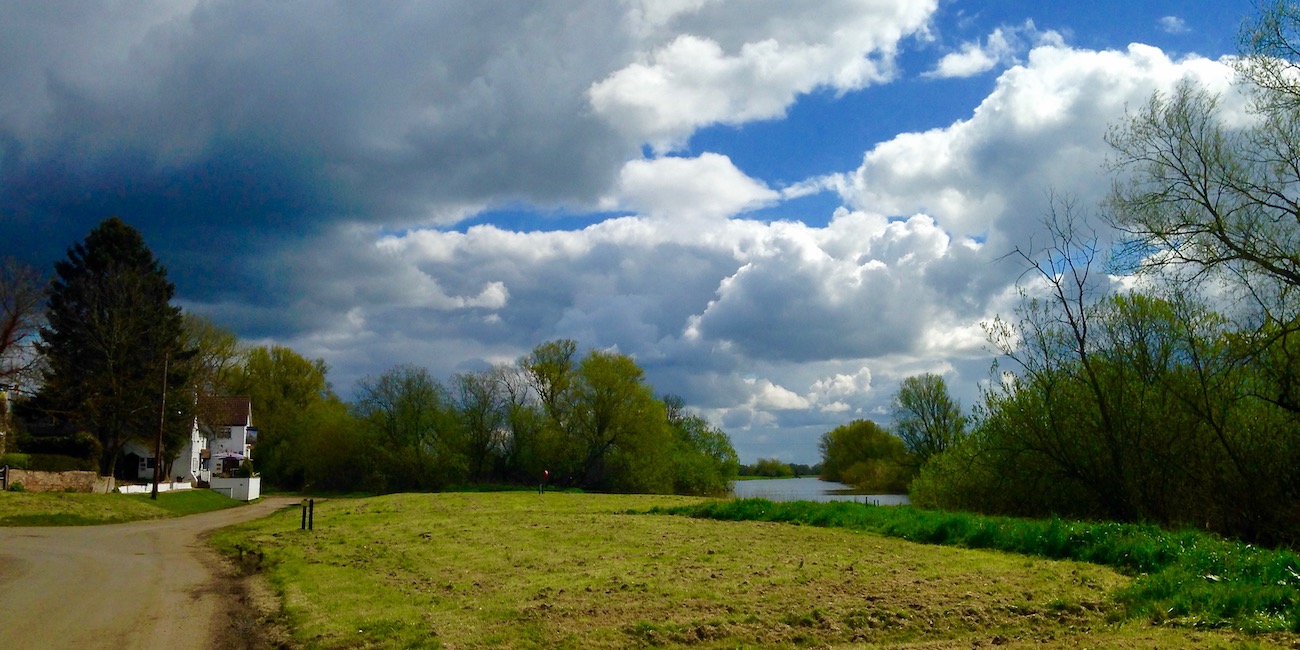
x: 235, y: 125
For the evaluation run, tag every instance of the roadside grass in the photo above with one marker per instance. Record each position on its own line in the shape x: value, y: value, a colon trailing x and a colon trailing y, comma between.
x: 523, y: 570
x: 188, y: 502
x: 1187, y: 577
x: 78, y: 509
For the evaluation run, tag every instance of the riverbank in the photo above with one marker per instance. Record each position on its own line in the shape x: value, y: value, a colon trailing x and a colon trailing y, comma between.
x: 810, y: 488
x: 570, y: 570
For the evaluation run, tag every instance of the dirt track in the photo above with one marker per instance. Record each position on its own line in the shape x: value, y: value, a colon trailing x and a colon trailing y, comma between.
x: 140, y: 585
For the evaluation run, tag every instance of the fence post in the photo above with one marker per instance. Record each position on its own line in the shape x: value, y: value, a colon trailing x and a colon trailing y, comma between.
x: 4, y: 478
x: 311, y: 512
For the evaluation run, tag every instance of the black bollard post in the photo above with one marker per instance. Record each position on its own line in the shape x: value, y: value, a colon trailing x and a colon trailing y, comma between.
x: 304, y: 514
x: 311, y: 512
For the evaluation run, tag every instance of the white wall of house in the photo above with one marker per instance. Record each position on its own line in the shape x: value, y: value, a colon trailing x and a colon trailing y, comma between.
x: 229, y: 439
x: 225, y: 440
x: 186, y: 466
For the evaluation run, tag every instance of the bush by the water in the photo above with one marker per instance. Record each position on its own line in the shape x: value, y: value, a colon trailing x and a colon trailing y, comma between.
x: 1187, y: 577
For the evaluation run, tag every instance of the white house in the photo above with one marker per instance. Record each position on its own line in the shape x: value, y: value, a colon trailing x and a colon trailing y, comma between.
x: 227, y: 423
x: 222, y: 437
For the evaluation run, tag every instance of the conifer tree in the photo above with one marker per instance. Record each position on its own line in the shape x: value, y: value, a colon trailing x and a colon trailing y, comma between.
x: 111, y: 336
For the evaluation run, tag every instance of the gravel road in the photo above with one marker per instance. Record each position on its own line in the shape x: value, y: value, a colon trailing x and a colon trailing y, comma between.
x: 147, y: 584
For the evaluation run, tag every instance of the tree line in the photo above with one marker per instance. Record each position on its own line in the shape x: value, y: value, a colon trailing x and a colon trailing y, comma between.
x: 775, y: 468
x: 101, y: 357
x: 588, y: 421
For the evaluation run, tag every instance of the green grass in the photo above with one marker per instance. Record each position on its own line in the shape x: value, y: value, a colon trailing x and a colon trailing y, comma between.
x: 1185, y: 577
x: 189, y: 502
x: 522, y: 570
x: 77, y: 509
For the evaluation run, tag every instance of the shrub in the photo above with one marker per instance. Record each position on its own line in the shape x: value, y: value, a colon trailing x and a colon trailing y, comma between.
x: 60, y: 463
x: 17, y: 487
x: 16, y: 460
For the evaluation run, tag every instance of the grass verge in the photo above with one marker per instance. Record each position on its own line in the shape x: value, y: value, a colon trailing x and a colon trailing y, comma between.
x: 189, y: 502
x: 1185, y: 577
x: 77, y: 509
x: 522, y: 570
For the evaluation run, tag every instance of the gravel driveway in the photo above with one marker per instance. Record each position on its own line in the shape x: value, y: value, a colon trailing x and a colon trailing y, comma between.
x: 146, y: 584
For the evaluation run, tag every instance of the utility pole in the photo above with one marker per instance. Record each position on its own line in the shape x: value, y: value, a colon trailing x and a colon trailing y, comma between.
x: 4, y: 416
x: 162, y: 422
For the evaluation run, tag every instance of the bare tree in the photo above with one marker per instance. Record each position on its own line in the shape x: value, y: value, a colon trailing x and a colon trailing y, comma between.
x: 22, y: 305
x: 1204, y: 191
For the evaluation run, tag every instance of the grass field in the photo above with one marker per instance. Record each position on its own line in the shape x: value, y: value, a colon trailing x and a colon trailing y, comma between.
x: 522, y: 570
x: 1186, y: 577
x: 76, y: 509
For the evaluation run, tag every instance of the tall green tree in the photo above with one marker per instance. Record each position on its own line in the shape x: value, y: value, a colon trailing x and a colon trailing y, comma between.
x: 412, y: 418
x: 112, y: 341
x: 282, y: 385
x: 337, y: 452
x: 216, y: 354
x: 863, y: 454
x: 551, y: 368
x: 481, y: 406
x: 926, y: 417
x: 621, y: 429
x: 704, y: 462
x: 521, y: 447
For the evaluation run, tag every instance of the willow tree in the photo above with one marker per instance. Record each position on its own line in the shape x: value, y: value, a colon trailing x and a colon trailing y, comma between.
x: 285, y: 389
x: 926, y: 417
x: 1204, y: 192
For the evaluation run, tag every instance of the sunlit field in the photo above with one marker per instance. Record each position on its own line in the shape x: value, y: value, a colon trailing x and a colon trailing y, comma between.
x: 523, y: 570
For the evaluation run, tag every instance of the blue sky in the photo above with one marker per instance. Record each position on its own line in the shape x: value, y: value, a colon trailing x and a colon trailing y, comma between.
x: 779, y: 209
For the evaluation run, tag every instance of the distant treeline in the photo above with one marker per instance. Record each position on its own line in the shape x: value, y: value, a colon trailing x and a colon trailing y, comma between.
x: 774, y: 468
x: 553, y: 417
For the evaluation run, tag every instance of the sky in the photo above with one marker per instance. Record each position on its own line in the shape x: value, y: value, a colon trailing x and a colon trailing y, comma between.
x: 779, y: 209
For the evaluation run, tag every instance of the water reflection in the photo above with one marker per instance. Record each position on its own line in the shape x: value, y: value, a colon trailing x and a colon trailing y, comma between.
x: 810, y: 489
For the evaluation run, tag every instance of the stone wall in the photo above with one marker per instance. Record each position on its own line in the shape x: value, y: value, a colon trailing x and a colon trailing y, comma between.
x: 61, y: 481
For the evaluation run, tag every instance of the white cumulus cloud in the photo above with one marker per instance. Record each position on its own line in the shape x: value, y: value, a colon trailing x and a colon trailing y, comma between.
x: 707, y: 186
x: 706, y: 63
x: 1004, y: 46
x: 1174, y: 25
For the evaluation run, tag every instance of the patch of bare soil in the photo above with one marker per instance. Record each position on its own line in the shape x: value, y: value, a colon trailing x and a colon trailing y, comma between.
x: 250, y: 616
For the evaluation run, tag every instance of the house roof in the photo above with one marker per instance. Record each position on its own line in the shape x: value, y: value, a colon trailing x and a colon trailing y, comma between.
x: 226, y: 411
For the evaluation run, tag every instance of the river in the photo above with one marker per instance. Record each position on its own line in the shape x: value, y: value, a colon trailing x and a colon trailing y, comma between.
x: 810, y: 489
